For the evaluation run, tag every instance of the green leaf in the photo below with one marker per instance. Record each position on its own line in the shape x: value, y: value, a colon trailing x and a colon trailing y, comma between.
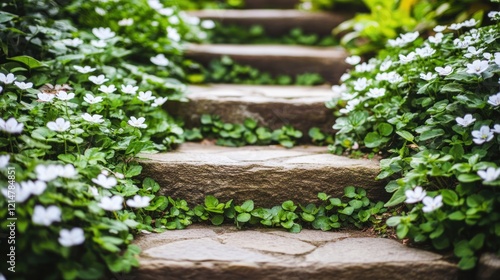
x: 28, y: 61
x: 429, y: 134
x: 467, y: 178
x: 385, y: 129
x: 406, y: 135
x: 373, y: 140
x: 217, y: 220
x: 449, y: 197
x: 243, y: 217
x: 323, y: 196
x: 206, y: 119
x: 467, y: 263
x: 350, y: 192
x: 477, y: 241
x: 335, y: 201
x: 393, y: 221
x: 457, y: 216
x: 247, y: 206
x: 402, y: 230
x: 289, y: 205
x: 347, y: 211
x: 397, y: 198
x: 462, y: 249
x: 307, y: 217
x: 4, y: 16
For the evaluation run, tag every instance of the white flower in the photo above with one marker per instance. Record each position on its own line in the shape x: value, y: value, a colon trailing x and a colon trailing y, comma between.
x: 73, y: 237
x: 145, y: 96
x: 160, y: 60
x: 489, y: 175
x: 497, y: 58
x: 192, y: 20
x: 415, y: 195
x: 173, y: 34
x: 493, y: 14
x: 484, y: 134
x: 472, y: 51
x: 45, y: 97
x: 7, y: 79
x: 337, y: 90
x: 353, y: 60
x: 385, y: 65
x: 89, y: 98
x: 21, y: 193
x: 155, y: 4
x: 431, y: 204
x: 47, y: 172
x: 494, y: 100
x: 34, y: 187
x: 94, y: 191
x: 488, y: 56
x: 360, y: 84
x: 100, y: 11
x: 166, y: 11
x: 345, y: 77
x: 461, y: 44
x: 208, y: 24
x: 436, y: 39
x: 129, y: 89
x: 440, y: 28
x: 173, y: 20
x: 139, y: 201
x: 98, y: 44
x: 126, y: 22
x: 351, y: 105
x: 447, y: 70
x: 465, y: 121
x: 111, y: 203
x: 84, y: 70
x: 96, y: 118
x: 98, y: 80
x: 107, y: 89
x: 364, y: 67
x: 394, y: 78
x: 4, y: 161
x: 137, y: 122
x: 72, y: 42
x: 23, y: 85
x: 425, y: 51
x: 470, y: 23
x: 11, y: 126
x: 407, y: 58
x: 376, y: 92
x: 159, y: 101
x: 398, y: 42
x: 455, y: 26
x: 65, y: 96
x: 119, y: 175
x: 496, y: 129
x: 477, y: 67
x: 429, y: 76
x: 67, y: 171
x: 103, y: 33
x: 409, y: 37
x: 59, y: 125
x: 105, y: 182
x: 46, y: 216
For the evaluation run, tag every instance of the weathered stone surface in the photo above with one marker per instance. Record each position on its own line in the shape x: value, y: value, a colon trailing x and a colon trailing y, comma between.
x: 231, y: 255
x: 277, y: 22
x: 329, y: 62
x: 271, y: 4
x: 268, y: 175
x: 267, y: 242
x: 488, y: 267
x: 313, y: 236
x: 272, y: 106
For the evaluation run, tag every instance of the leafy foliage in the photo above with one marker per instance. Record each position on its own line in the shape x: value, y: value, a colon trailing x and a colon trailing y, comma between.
x: 432, y: 107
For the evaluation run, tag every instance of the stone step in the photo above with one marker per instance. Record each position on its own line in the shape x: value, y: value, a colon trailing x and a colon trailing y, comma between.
x: 271, y: 4
x: 269, y: 175
x: 272, y: 106
x: 277, y: 22
x: 329, y: 62
x: 223, y: 253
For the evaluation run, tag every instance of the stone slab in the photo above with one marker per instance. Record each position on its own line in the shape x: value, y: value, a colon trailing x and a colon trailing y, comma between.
x: 272, y: 106
x: 271, y: 4
x: 268, y: 175
x: 228, y: 254
x: 277, y: 22
x: 488, y: 267
x: 329, y: 62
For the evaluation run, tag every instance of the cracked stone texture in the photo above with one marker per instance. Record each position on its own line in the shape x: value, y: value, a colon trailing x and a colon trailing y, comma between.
x: 224, y: 253
x: 268, y: 175
x: 271, y: 106
x: 329, y: 62
x: 278, y: 22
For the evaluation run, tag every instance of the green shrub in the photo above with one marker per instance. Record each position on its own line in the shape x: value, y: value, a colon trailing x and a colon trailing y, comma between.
x: 432, y: 108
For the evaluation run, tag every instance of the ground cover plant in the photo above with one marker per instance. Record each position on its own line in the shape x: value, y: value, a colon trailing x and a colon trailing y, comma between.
x: 431, y: 107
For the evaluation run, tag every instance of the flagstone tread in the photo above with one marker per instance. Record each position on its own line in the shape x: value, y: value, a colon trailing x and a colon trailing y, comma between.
x: 268, y: 175
x: 271, y: 4
x: 272, y: 106
x: 208, y: 252
x: 277, y: 22
x: 329, y: 62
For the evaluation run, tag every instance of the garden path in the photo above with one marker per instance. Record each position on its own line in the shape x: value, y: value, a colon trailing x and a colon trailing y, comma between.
x: 271, y: 175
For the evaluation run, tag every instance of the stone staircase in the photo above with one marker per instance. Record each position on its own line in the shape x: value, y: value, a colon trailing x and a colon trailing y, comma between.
x: 270, y: 175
